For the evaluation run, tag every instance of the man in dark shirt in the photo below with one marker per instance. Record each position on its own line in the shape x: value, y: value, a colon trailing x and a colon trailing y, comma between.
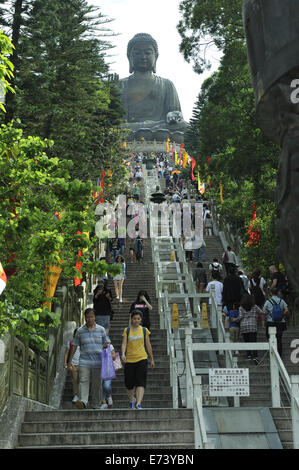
x: 102, y: 306
x: 233, y: 289
x: 278, y: 281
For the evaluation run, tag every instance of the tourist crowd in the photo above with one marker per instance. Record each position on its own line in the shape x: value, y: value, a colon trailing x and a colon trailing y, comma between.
x: 245, y: 300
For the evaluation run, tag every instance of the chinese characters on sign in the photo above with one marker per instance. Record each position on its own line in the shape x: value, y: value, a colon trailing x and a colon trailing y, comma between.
x: 229, y: 382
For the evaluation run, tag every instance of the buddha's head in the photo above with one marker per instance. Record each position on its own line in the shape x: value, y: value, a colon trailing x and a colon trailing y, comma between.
x: 142, y: 53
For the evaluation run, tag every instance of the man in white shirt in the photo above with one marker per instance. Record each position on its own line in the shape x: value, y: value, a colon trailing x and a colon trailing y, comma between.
x: 229, y: 260
x: 218, y: 288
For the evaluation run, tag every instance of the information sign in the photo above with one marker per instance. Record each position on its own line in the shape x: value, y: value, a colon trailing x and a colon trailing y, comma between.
x: 229, y: 382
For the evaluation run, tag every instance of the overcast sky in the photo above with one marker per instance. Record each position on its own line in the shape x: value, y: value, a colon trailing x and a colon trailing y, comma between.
x: 158, y: 18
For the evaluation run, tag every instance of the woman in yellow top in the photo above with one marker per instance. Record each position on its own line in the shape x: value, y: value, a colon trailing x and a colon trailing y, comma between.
x: 134, y: 356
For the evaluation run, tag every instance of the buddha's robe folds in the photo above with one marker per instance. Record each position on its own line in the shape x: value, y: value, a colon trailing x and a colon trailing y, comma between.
x: 148, y: 100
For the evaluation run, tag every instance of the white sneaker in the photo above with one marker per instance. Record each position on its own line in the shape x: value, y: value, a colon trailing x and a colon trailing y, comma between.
x: 132, y: 404
x: 104, y: 406
x: 76, y: 398
x: 109, y: 401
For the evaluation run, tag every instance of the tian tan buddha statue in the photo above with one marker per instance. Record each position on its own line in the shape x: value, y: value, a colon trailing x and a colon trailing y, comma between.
x: 152, y: 103
x: 272, y: 34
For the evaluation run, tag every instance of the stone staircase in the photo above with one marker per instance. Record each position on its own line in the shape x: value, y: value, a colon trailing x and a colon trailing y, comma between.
x: 108, y: 429
x: 156, y: 426
x: 260, y: 384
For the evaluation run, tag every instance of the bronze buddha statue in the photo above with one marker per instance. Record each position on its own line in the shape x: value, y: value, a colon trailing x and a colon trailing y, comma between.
x: 152, y: 103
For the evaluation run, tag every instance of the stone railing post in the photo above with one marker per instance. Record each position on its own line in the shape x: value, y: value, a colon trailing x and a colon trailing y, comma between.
x: 213, y: 311
x: 197, y: 412
x: 236, y: 399
x: 295, y: 410
x: 274, y: 370
x: 189, y: 383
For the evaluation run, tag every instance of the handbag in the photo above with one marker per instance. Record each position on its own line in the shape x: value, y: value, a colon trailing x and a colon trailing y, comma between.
x: 107, y: 369
x: 117, y: 362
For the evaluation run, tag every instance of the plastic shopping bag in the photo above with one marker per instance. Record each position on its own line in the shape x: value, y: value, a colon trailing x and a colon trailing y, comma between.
x: 107, y: 370
x: 117, y: 362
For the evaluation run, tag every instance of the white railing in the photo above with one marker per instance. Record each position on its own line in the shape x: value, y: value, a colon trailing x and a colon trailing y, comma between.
x: 184, y: 281
x: 194, y: 396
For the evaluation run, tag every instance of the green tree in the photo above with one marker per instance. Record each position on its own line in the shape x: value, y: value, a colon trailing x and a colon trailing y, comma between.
x: 241, y: 158
x: 62, y: 85
x: 205, y: 23
x: 33, y: 187
x: 6, y: 67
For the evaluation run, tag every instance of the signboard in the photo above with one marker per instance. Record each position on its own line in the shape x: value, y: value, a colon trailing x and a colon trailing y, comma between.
x: 207, y: 400
x: 229, y: 382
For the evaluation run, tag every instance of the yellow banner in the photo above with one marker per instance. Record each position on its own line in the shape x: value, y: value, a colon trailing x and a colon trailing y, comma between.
x: 52, y: 275
x: 185, y: 158
x: 221, y: 193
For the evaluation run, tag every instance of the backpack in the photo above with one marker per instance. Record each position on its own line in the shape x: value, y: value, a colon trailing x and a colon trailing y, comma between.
x: 256, y: 291
x: 115, y: 244
x: 225, y: 257
x: 215, y: 266
x: 144, y: 333
x: 277, y: 312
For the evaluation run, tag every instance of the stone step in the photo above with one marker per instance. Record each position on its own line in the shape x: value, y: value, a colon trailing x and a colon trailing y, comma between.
x: 281, y: 412
x: 109, y: 426
x: 103, y: 438
x: 117, y: 413
x: 120, y: 447
x: 118, y: 389
x: 147, y: 403
x: 283, y: 424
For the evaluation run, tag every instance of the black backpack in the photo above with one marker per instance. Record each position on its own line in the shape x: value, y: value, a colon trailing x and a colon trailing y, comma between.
x: 256, y: 291
x: 115, y: 244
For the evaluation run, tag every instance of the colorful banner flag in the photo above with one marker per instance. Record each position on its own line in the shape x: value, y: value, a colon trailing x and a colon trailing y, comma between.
x: 200, y: 185
x: 52, y: 275
x: 185, y: 158
x: 109, y: 175
x: 192, y: 169
x: 180, y: 156
x: 175, y: 158
x: 167, y: 144
x: 221, y: 193
x: 3, y: 279
x: 253, y: 232
x: 78, y: 280
x: 101, y: 184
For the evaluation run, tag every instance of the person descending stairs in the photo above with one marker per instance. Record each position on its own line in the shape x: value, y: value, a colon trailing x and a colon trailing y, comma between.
x: 156, y: 425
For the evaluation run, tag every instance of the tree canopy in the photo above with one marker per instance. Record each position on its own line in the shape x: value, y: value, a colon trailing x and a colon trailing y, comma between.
x: 223, y: 134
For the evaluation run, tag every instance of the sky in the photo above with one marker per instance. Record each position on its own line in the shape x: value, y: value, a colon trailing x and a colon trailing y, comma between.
x: 158, y: 18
